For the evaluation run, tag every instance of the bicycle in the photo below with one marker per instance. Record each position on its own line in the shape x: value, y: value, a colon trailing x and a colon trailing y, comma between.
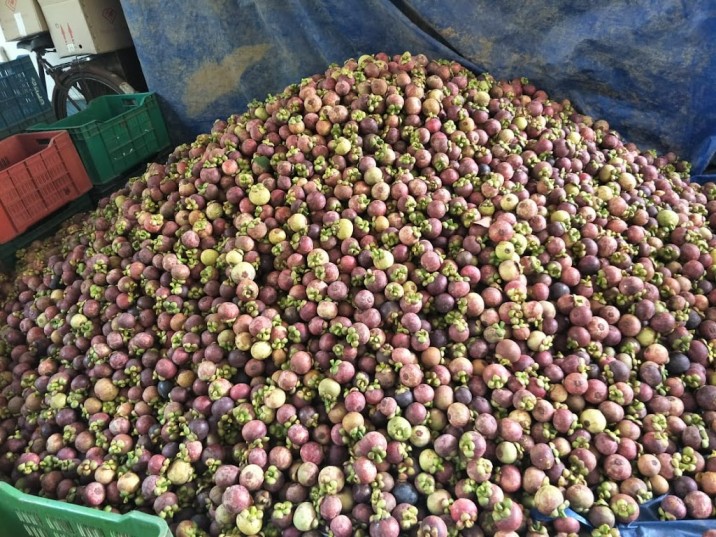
x: 77, y: 81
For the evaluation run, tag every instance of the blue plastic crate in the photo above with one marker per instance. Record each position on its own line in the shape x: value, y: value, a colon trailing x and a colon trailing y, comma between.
x: 22, y: 99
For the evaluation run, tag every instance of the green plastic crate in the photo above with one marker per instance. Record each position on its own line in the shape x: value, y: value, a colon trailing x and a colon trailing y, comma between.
x: 115, y: 133
x: 22, y: 515
x: 42, y: 229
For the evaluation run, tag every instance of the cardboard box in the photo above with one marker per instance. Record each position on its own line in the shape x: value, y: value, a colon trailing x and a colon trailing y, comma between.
x: 86, y: 26
x: 20, y: 18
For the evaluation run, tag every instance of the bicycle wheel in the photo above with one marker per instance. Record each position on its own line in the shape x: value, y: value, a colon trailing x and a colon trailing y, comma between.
x: 79, y: 85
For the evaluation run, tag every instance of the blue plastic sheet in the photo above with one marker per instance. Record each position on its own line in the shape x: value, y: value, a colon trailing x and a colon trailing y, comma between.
x: 648, y: 524
x: 649, y: 68
x: 208, y: 59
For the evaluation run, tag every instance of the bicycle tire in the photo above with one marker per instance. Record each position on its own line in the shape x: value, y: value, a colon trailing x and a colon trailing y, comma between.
x: 79, y: 85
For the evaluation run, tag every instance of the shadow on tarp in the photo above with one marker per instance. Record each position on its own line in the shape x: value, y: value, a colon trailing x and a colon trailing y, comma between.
x: 648, y: 525
x: 649, y: 68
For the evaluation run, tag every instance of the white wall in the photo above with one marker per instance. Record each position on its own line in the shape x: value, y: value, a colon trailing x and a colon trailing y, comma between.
x: 8, y: 51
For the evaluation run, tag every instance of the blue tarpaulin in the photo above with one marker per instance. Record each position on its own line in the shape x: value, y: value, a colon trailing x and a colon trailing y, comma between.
x: 649, y: 68
x: 648, y: 524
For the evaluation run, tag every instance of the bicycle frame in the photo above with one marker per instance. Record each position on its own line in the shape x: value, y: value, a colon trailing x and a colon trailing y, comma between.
x: 77, y: 80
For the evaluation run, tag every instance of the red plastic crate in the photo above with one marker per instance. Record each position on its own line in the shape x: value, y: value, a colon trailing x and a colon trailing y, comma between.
x: 39, y: 173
